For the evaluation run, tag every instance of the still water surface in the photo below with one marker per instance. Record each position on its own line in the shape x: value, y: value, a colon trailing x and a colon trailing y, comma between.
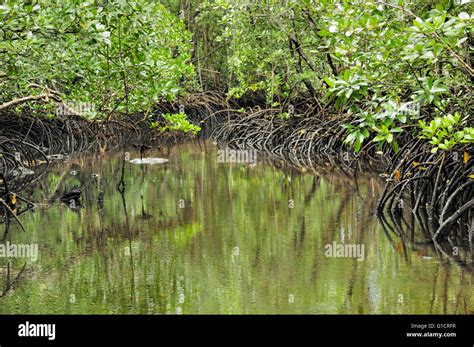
x: 193, y: 235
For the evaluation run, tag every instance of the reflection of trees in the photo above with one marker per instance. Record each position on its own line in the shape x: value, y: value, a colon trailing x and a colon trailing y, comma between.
x: 415, y: 230
x: 229, y: 206
x: 11, y: 278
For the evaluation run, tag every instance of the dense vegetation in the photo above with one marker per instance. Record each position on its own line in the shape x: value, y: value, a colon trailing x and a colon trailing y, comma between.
x: 111, y: 56
x: 378, y: 62
x: 327, y: 86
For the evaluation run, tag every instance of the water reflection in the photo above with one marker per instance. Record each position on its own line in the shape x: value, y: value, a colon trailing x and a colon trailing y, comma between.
x: 193, y: 235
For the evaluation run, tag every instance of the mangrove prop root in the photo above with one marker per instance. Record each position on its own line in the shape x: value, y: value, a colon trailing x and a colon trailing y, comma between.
x: 440, y: 183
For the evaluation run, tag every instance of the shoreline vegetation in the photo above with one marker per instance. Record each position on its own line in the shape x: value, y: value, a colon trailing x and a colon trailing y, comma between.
x: 377, y: 86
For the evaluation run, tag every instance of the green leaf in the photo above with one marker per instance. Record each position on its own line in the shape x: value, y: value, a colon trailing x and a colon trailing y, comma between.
x: 329, y: 81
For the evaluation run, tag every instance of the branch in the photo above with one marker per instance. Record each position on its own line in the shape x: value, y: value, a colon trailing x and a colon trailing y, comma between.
x: 466, y: 66
x: 313, y: 26
x: 45, y: 95
x: 14, y: 102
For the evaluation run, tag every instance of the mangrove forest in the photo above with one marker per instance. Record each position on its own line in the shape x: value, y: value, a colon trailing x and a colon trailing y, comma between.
x: 236, y: 157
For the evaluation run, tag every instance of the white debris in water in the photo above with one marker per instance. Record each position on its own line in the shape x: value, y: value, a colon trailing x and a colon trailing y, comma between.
x: 56, y: 156
x: 149, y: 161
x: 22, y: 171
